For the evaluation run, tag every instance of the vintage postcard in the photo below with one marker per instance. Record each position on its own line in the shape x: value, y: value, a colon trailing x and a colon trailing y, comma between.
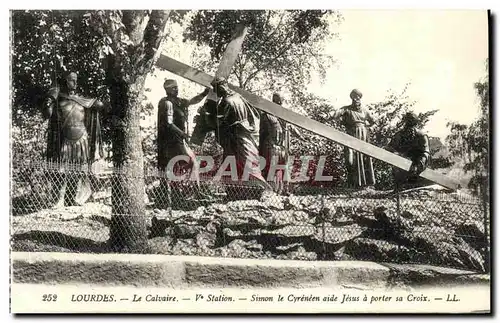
x: 250, y: 161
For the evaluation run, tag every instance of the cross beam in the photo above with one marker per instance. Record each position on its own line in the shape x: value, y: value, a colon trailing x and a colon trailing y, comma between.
x: 339, y: 137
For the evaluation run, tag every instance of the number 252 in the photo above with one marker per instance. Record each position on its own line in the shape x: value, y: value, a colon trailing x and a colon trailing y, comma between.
x: 49, y: 297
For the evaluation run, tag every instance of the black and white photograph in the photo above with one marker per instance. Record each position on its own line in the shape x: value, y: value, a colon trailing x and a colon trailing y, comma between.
x: 250, y: 161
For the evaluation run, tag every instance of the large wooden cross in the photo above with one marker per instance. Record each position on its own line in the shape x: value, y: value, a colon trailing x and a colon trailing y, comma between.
x: 323, y: 130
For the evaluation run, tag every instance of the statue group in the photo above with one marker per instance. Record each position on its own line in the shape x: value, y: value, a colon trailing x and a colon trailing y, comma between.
x: 243, y: 132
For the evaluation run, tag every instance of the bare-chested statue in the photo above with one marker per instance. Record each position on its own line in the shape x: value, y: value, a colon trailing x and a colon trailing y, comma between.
x: 356, y: 119
x: 74, y: 137
x: 172, y: 135
x: 274, y: 143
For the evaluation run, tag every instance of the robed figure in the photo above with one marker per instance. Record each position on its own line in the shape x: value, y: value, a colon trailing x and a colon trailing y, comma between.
x: 238, y: 134
x: 74, y: 139
x: 357, y: 119
x: 274, y: 145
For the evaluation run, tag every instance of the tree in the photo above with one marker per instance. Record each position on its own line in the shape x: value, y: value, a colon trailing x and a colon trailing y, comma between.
x: 478, y: 139
x: 282, y: 50
x: 130, y: 41
x: 113, y: 51
x: 457, y: 141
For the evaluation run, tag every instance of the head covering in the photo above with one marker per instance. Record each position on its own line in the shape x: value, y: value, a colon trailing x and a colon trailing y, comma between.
x: 70, y: 76
x: 169, y: 84
x: 357, y: 93
x: 277, y: 98
x: 218, y: 81
x: 410, y: 118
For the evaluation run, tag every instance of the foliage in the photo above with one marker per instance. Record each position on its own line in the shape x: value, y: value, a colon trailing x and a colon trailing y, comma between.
x: 469, y: 144
x: 457, y: 141
x: 478, y: 139
x: 388, y: 114
x: 282, y: 50
x: 44, y: 45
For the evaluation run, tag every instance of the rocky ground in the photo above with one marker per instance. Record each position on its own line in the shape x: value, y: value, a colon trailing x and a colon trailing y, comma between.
x: 433, y: 227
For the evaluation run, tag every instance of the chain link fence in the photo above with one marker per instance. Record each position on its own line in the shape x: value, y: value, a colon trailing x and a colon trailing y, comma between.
x: 226, y: 219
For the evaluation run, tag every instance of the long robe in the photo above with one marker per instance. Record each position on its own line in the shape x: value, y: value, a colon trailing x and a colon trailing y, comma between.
x: 239, y: 137
x: 359, y: 167
x: 273, y: 138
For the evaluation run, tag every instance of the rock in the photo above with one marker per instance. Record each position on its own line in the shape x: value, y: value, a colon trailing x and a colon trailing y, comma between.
x: 282, y: 218
x: 238, y: 249
x: 205, y: 240
x: 471, y: 257
x: 186, y: 231
x: 301, y: 216
x: 289, y: 247
x: 70, y: 217
x: 389, y: 225
x: 336, y: 235
x: 253, y: 246
x: 271, y: 200
x: 472, y: 231
x: 292, y: 203
x: 248, y: 217
x: 299, y: 254
x: 219, y: 208
x: 438, y: 246
x: 161, y: 245
x: 243, y: 205
x: 185, y: 247
x: 293, y: 231
x: 376, y: 250
x: 230, y: 235
x: 200, y: 211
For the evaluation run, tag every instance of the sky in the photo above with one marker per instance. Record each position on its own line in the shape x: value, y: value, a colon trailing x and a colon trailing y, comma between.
x: 442, y: 54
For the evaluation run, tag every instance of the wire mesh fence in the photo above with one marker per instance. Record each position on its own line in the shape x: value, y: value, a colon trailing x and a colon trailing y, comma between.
x: 73, y: 208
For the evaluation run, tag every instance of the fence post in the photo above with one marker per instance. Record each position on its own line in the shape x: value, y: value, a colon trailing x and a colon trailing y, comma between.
x: 486, y: 227
x: 323, y: 229
x: 169, y: 196
x: 398, y: 212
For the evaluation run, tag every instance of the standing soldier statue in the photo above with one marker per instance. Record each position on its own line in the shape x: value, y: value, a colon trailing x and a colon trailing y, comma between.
x: 413, y: 144
x: 356, y: 119
x: 172, y: 135
x: 74, y: 137
x: 274, y: 144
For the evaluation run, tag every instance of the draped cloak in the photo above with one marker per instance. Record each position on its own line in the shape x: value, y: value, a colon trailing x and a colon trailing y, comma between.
x: 359, y: 166
x: 73, y: 140
x: 60, y: 145
x: 272, y: 147
x: 239, y: 136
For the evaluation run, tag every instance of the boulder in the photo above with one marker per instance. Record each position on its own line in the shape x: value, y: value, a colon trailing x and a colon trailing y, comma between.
x: 293, y: 231
x: 389, y: 226
x: 289, y: 247
x: 439, y: 246
x: 283, y: 218
x: 186, y: 231
x: 472, y: 231
x: 299, y: 254
x: 376, y: 250
x: 335, y: 235
x: 239, y: 249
